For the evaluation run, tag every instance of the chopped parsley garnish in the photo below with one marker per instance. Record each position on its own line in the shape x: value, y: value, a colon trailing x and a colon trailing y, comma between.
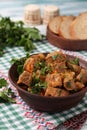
x: 54, y: 57
x: 45, y: 70
x: 75, y: 61
x: 39, y: 65
x: 37, y: 85
x: 69, y: 83
x: 43, y: 67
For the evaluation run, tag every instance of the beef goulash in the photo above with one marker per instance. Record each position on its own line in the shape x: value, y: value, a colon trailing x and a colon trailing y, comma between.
x: 52, y: 74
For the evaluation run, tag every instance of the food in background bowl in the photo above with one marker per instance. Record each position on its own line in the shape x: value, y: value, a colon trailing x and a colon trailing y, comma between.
x: 68, y: 32
x: 49, y: 82
x: 64, y: 43
x: 69, y: 26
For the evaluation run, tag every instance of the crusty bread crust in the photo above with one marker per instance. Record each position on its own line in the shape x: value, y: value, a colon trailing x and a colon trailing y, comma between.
x: 83, y: 13
x: 54, y: 24
x: 64, y: 29
x: 78, y: 28
x: 70, y: 27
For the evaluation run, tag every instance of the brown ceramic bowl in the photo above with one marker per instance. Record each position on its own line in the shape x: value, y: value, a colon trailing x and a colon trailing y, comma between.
x: 44, y: 103
x: 67, y: 44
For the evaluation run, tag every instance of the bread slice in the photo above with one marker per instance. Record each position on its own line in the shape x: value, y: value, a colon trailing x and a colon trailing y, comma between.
x: 78, y: 27
x: 54, y: 24
x: 83, y: 13
x: 64, y: 29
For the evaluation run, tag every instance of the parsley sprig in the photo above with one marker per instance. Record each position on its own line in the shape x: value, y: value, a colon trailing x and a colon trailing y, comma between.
x: 19, y: 62
x: 15, y: 34
x: 37, y: 85
x: 5, y: 92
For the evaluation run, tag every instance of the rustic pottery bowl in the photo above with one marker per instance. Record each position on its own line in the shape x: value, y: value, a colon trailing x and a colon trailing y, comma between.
x: 63, y: 43
x: 45, y: 103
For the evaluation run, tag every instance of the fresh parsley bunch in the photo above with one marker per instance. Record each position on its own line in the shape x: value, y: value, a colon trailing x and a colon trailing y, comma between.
x: 5, y: 92
x: 15, y: 34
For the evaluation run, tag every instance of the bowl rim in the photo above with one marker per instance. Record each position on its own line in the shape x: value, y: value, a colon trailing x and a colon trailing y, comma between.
x: 45, y: 97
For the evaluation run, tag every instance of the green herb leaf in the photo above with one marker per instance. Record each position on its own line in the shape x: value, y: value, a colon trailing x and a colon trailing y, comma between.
x: 20, y: 63
x: 3, y: 82
x: 37, y: 85
x: 55, y: 57
x: 5, y: 92
x: 69, y: 83
x: 15, y: 34
x: 75, y: 61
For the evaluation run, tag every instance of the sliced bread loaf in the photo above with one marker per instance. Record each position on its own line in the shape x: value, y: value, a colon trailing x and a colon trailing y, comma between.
x: 54, y: 24
x: 78, y: 29
x: 64, y: 29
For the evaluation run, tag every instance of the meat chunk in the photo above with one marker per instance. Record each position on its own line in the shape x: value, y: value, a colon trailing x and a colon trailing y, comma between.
x: 31, y: 62
x: 54, y: 80
x: 51, y: 92
x: 39, y: 56
x: 56, y: 60
x: 69, y: 74
x: 69, y: 84
x: 62, y: 92
x: 56, y: 92
x: 74, y: 67
x: 79, y: 85
x: 29, y: 65
x: 57, y: 56
x: 68, y: 81
x: 59, y: 67
x: 82, y: 76
x: 25, y: 78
